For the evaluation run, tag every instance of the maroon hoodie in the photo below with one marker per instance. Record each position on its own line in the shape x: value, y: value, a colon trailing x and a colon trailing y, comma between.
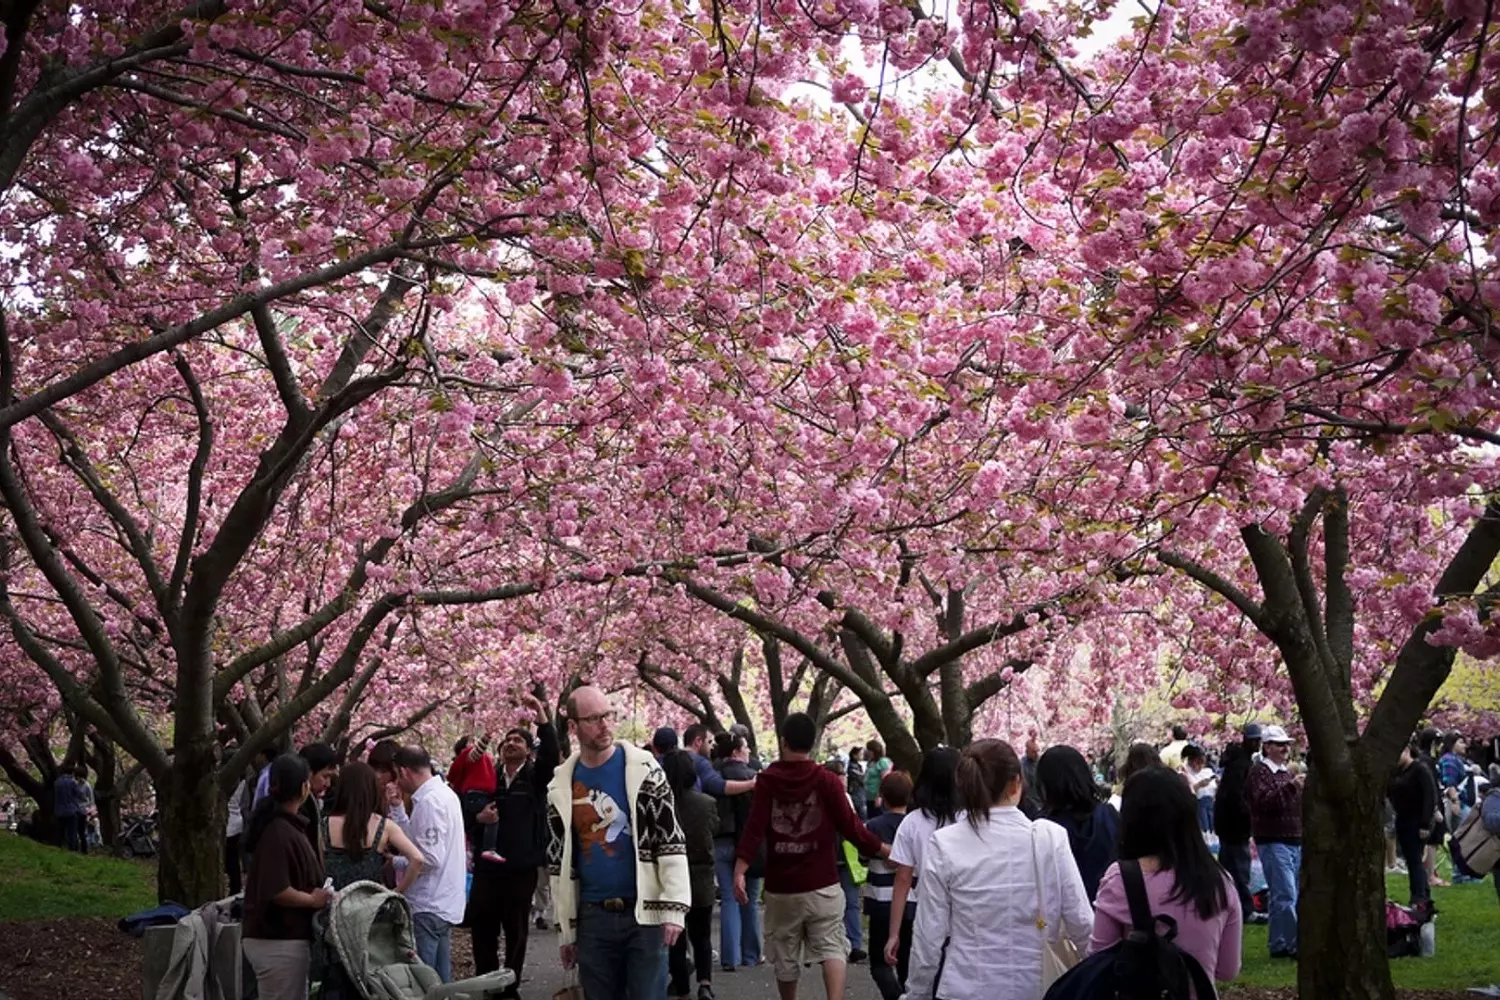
x: 800, y: 809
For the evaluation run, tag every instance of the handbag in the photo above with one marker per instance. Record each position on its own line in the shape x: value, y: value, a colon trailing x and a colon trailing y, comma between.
x: 1060, y: 954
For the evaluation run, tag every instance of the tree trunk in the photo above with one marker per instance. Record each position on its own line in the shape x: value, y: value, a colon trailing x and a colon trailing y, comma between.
x: 1341, y: 907
x: 191, y: 830
x: 106, y: 801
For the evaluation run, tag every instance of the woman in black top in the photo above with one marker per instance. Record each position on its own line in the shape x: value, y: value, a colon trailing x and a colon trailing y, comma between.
x: 698, y: 816
x: 283, y: 888
x: 1414, y: 795
x: 1071, y: 799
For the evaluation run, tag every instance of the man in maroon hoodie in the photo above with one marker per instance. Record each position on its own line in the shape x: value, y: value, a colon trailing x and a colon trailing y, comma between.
x: 800, y: 810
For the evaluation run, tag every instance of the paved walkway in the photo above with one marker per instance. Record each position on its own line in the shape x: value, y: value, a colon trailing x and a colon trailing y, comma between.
x: 544, y: 974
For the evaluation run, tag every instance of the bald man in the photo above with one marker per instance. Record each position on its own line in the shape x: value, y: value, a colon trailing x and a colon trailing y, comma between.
x: 618, y: 859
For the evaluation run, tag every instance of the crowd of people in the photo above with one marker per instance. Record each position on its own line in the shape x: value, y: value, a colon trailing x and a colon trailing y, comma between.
x: 968, y: 873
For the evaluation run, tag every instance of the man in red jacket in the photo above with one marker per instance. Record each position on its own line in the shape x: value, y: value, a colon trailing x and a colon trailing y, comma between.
x: 800, y: 810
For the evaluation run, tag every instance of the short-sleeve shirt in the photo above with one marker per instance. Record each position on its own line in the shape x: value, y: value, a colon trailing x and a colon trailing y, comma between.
x: 874, y: 771
x: 283, y: 859
x: 603, y: 843
x: 911, y: 841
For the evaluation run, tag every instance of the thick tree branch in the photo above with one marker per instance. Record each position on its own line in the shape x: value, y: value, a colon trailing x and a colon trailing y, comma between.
x: 930, y: 661
x: 1211, y: 580
x: 189, y: 534
x: 14, y: 410
x: 83, y: 467
x: 768, y: 626
x: 1421, y: 668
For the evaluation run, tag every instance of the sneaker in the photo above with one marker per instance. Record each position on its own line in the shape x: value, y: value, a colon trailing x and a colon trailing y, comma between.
x: 857, y: 956
x: 1258, y: 918
x: 541, y: 923
x: 726, y: 967
x: 705, y: 991
x: 491, y: 856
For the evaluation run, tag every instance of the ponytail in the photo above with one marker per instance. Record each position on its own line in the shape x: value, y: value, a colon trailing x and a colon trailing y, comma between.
x: 985, y: 773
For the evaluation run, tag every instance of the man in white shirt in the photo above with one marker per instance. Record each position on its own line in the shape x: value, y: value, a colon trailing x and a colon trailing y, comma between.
x: 436, y: 826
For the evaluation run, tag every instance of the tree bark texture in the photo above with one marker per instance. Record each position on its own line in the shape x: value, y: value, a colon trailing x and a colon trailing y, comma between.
x: 1341, y: 906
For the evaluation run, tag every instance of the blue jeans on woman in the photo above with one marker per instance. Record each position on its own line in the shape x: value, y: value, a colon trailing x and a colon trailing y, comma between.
x: 1283, y: 866
x: 739, y: 923
x: 852, y: 926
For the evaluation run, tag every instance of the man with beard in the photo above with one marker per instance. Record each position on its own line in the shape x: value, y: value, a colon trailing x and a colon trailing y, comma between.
x: 505, y: 879
x: 617, y: 858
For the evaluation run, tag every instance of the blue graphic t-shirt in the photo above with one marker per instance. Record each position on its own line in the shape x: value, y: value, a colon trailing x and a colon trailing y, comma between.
x: 602, y: 841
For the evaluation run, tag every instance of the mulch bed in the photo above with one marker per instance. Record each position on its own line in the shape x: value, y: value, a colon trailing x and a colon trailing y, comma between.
x: 89, y: 959
x: 83, y: 957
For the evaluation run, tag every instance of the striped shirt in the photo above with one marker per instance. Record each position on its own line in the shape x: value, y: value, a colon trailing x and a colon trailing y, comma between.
x: 882, y: 873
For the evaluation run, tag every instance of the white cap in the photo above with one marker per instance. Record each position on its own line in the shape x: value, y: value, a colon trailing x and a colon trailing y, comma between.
x: 1274, y: 734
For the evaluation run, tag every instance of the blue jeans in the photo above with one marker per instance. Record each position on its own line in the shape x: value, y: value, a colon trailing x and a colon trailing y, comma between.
x: 739, y: 923
x: 619, y: 959
x: 1206, y: 813
x: 1283, y: 865
x: 434, y: 943
x: 852, y: 926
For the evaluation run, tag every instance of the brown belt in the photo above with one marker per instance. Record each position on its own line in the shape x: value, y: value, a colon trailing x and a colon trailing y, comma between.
x: 614, y: 904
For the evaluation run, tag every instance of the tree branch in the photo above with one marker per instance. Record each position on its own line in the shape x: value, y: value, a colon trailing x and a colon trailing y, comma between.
x: 189, y: 533
x: 1217, y: 584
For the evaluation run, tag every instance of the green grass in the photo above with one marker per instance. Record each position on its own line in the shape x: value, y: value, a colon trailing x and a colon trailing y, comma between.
x: 40, y: 883
x: 1468, y: 927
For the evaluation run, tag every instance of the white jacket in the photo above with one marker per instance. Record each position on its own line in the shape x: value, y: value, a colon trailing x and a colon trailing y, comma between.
x: 663, y: 892
x: 979, y: 893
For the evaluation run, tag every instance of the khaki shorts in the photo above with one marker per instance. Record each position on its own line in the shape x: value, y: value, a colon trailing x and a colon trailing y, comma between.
x: 804, y: 927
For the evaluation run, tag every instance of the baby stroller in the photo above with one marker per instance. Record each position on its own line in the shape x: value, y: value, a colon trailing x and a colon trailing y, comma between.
x: 372, y: 952
x: 137, y: 839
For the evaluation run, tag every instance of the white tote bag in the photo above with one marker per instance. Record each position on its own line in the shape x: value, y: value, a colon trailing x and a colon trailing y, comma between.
x: 1058, y: 953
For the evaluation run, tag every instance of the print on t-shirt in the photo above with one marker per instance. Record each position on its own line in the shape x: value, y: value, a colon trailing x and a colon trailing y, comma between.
x: 794, y: 822
x: 599, y: 819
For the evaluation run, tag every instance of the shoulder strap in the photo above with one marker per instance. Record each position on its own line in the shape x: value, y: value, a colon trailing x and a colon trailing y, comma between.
x: 1135, y: 893
x: 1203, y: 985
x: 379, y: 833
x: 1036, y: 868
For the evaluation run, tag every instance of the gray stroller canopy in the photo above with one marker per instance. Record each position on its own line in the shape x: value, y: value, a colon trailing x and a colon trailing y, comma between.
x: 370, y: 929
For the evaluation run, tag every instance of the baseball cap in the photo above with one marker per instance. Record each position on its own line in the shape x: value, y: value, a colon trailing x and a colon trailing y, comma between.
x: 665, y: 739
x: 1251, y: 731
x: 1274, y: 734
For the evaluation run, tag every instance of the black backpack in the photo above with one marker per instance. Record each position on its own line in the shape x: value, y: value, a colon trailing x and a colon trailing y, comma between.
x: 1146, y: 965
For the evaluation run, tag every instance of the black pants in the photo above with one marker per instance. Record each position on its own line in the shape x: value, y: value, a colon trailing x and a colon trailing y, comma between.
x: 1234, y: 857
x: 232, y: 863
x: 891, y: 982
x: 1409, y: 842
x: 698, y: 932
x: 500, y: 903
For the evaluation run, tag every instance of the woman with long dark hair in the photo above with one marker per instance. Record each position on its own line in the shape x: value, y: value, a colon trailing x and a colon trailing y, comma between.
x: 1159, y: 828
x: 357, y: 833
x: 996, y: 889
x: 698, y: 815
x: 1071, y: 799
x: 934, y: 806
x: 283, y: 888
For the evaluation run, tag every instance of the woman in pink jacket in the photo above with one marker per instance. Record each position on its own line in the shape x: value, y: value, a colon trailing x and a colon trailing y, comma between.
x: 1159, y: 828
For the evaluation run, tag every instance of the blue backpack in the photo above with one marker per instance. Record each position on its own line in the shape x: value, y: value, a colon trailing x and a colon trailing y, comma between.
x: 1145, y: 965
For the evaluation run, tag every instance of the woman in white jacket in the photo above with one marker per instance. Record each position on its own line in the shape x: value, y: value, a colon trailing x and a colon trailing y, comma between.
x: 987, y: 884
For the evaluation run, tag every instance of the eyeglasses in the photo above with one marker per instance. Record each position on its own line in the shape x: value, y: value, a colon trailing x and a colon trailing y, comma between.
x: 595, y: 719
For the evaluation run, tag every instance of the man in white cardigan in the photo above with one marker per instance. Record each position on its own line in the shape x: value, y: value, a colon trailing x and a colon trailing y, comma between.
x: 618, y: 859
